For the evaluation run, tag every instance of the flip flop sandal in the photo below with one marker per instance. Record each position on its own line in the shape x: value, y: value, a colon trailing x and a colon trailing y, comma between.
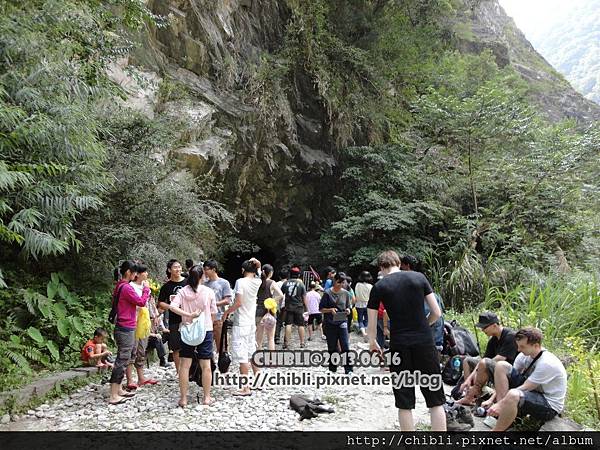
x: 131, y: 387
x: 123, y: 400
x: 241, y: 394
x: 151, y: 382
x: 128, y: 395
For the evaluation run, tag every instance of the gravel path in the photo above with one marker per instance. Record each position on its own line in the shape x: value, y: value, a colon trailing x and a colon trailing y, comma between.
x: 155, y: 407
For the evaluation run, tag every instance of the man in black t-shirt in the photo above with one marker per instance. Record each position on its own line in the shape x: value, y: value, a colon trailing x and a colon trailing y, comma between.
x: 501, y: 347
x: 294, y: 294
x: 167, y: 292
x: 402, y: 294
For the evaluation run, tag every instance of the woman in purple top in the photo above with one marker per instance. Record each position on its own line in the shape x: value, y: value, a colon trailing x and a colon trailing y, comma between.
x: 127, y: 300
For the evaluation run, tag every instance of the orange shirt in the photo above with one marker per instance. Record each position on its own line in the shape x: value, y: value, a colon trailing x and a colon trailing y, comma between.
x: 88, y: 350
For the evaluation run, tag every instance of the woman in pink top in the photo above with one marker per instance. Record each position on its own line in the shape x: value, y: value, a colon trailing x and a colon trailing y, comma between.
x: 127, y: 300
x: 189, y: 303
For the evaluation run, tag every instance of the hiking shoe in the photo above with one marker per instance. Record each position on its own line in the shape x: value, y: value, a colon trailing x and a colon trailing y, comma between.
x: 452, y: 424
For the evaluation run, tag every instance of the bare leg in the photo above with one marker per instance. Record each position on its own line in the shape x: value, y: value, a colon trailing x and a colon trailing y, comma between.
x: 301, y: 334
x: 271, y: 338
x: 244, y: 370
x: 288, y: 335
x: 184, y: 373
x: 140, y: 375
x: 260, y: 330
x: 405, y: 417
x: 176, y: 360
x: 507, y: 410
x: 217, y: 327
x: 99, y: 361
x: 206, y: 380
x: 438, y: 418
x: 481, y: 378
x: 129, y: 374
x: 501, y: 379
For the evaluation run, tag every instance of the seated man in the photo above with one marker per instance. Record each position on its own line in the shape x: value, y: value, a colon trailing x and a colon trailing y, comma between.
x: 95, y: 352
x: 501, y: 347
x: 537, y: 382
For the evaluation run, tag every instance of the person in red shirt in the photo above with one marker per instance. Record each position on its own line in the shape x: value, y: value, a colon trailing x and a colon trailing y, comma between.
x: 95, y: 351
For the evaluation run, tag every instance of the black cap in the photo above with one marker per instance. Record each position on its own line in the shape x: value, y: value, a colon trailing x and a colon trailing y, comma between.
x: 486, y: 319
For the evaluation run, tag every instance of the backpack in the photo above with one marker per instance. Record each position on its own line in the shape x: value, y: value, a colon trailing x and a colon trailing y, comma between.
x: 224, y: 356
x: 196, y: 369
x: 458, y: 340
x: 307, y: 407
x: 112, y: 315
x: 452, y: 371
x: 291, y: 301
x: 264, y: 293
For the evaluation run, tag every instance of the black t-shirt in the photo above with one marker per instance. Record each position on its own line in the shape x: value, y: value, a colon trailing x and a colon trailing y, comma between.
x: 402, y: 294
x: 294, y: 292
x: 168, y: 289
x: 505, y: 346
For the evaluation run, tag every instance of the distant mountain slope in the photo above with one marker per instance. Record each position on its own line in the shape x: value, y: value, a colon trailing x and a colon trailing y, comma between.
x: 485, y: 24
x: 572, y: 46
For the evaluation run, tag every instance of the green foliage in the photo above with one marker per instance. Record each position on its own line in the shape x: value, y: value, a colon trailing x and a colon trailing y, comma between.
x: 385, y: 202
x: 472, y: 185
x: 42, y: 332
x: 575, y: 299
x: 154, y: 211
x: 53, y: 61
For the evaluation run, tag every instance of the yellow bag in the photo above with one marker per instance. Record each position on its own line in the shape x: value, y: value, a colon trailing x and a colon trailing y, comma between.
x: 142, y: 329
x: 354, y: 315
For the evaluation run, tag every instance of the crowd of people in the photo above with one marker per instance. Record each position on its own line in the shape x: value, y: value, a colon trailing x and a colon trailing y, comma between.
x: 399, y: 312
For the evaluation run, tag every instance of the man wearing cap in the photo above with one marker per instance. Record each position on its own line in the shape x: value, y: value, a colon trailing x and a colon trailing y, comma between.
x: 294, y: 292
x: 501, y: 347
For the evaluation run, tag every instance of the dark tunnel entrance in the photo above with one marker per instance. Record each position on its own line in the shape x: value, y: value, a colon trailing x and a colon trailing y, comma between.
x: 232, y: 266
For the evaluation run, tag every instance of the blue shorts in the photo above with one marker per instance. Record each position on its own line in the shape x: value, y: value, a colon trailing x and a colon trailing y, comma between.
x: 204, y: 350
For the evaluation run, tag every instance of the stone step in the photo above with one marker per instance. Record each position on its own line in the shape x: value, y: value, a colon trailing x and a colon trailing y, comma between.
x: 41, y: 387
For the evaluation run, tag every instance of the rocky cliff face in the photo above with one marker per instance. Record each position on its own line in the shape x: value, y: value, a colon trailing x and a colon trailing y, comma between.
x: 274, y: 166
x: 271, y: 148
x: 484, y: 24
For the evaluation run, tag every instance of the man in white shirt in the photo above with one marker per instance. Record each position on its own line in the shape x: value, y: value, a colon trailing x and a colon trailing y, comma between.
x: 243, y: 333
x: 536, y: 384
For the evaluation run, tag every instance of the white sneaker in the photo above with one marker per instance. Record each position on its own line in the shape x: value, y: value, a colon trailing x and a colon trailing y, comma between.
x: 490, y: 421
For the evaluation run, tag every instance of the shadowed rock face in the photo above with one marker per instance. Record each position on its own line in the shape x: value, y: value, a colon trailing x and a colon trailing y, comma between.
x: 274, y: 165
x: 276, y: 160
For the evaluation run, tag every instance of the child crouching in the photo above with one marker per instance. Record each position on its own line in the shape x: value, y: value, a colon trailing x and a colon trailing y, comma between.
x: 95, y: 352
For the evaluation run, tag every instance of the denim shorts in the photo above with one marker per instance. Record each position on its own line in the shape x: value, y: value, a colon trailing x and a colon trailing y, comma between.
x: 204, y: 350
x: 535, y: 404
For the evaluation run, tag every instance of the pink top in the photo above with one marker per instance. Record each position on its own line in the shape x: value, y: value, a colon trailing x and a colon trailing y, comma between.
x: 127, y: 302
x: 202, y: 300
x: 313, y: 298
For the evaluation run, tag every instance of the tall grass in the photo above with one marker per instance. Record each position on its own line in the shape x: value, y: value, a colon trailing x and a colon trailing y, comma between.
x: 567, y: 310
x: 561, y: 308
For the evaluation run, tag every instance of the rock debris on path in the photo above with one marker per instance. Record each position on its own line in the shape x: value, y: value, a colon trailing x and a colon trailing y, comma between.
x: 155, y: 408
